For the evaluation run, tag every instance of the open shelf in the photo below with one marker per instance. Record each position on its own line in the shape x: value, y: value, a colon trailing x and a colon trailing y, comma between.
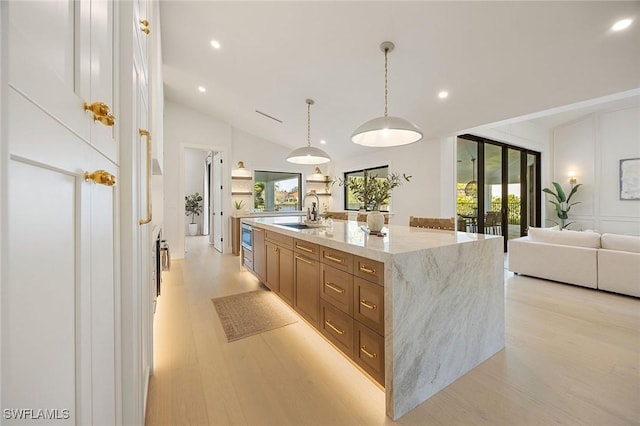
x: 241, y: 177
x: 315, y: 180
x: 241, y: 193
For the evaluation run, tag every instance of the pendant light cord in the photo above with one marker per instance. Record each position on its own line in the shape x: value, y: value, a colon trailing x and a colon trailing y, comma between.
x: 308, y: 123
x: 386, y: 86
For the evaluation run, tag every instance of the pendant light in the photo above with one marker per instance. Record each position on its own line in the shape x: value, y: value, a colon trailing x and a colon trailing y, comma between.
x: 386, y: 130
x: 471, y: 188
x: 308, y: 154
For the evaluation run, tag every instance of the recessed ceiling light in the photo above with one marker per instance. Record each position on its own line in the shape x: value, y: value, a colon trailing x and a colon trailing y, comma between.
x: 201, y: 89
x: 323, y: 142
x: 215, y: 44
x: 444, y: 94
x: 622, y: 24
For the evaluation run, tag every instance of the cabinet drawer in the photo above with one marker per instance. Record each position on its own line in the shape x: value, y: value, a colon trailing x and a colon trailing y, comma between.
x: 280, y: 239
x: 368, y: 304
x: 337, y: 259
x: 337, y: 327
x: 248, y: 258
x: 368, y: 351
x: 308, y: 249
x: 336, y: 287
x: 368, y: 269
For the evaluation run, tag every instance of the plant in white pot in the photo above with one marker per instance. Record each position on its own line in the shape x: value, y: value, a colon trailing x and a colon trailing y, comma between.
x: 193, y: 208
x: 373, y: 192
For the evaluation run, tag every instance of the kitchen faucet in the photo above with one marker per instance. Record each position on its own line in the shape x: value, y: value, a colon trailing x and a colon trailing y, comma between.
x: 311, y: 193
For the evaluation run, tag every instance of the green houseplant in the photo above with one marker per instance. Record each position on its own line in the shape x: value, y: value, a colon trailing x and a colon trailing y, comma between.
x: 562, y: 202
x: 372, y: 191
x: 193, y: 208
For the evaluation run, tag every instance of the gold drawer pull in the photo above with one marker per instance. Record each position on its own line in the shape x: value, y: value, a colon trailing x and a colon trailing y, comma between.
x: 254, y: 229
x: 334, y: 288
x: 335, y: 259
x: 367, y: 270
x: 367, y: 353
x: 307, y: 249
x: 334, y: 328
x: 366, y: 304
x: 304, y: 260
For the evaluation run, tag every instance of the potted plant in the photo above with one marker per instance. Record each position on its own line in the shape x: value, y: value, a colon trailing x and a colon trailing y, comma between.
x: 193, y: 208
x: 372, y: 192
x: 562, y: 203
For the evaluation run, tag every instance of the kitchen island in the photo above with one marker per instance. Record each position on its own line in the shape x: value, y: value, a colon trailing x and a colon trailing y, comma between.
x: 441, y: 296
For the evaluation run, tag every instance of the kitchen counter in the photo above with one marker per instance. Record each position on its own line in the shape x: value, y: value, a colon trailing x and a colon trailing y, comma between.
x: 443, y: 300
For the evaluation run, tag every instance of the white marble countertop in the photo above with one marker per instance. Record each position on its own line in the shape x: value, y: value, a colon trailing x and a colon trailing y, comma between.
x: 269, y: 214
x: 348, y: 235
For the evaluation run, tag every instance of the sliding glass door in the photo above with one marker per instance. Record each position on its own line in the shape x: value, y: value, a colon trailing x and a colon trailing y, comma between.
x: 498, y: 187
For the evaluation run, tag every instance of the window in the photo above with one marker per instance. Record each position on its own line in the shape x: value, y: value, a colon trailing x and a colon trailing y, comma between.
x: 277, y: 191
x: 350, y: 201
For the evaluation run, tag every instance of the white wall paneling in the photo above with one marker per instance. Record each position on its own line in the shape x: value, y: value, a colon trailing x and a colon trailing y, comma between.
x: 593, y: 147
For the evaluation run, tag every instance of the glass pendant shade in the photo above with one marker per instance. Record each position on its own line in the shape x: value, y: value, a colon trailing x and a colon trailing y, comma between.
x: 308, y: 155
x: 386, y: 131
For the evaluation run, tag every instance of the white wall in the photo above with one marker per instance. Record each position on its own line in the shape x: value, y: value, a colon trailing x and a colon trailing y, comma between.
x: 419, y: 197
x: 194, y: 172
x: 187, y: 128
x: 592, y: 147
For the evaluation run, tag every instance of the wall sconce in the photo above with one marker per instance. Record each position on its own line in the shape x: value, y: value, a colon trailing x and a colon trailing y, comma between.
x: 572, y: 178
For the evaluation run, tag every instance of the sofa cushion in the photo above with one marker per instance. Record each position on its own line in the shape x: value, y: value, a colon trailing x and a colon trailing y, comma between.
x: 621, y: 242
x: 565, y: 237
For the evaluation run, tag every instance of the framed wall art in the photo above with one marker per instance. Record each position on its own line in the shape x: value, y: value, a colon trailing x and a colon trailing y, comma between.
x: 630, y: 179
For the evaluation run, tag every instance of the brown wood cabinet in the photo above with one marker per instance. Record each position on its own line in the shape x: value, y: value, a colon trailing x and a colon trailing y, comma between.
x: 368, y: 351
x: 307, y: 276
x: 337, y: 326
x: 368, y: 304
x: 273, y: 267
x: 339, y: 293
x: 336, y: 287
x: 259, y: 253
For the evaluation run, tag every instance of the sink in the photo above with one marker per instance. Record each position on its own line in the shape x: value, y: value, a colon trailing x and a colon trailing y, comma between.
x: 296, y: 225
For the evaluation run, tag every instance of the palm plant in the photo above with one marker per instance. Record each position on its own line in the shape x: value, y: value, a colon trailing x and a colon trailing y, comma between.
x: 562, y: 203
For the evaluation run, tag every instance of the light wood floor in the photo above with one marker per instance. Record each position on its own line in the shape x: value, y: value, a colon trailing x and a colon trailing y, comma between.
x: 572, y: 357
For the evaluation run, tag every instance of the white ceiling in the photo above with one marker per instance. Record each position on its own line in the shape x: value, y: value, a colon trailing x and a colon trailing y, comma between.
x: 498, y: 60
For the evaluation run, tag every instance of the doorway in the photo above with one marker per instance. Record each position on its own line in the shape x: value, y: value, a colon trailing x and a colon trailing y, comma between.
x: 498, y: 187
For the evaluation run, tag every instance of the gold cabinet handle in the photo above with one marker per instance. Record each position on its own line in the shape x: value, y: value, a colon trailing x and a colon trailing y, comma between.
x: 304, y: 260
x: 367, y: 270
x: 334, y: 288
x: 254, y: 229
x: 146, y: 134
x: 368, y: 305
x: 275, y: 249
x: 145, y: 28
x: 308, y: 250
x: 101, y: 177
x: 367, y: 353
x: 101, y: 112
x: 333, y: 327
x: 335, y: 259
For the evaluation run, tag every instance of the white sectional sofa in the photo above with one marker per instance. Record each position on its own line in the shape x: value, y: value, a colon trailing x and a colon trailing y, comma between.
x: 608, y: 262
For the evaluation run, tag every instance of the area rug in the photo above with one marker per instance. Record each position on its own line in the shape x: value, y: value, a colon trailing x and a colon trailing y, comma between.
x: 246, y: 314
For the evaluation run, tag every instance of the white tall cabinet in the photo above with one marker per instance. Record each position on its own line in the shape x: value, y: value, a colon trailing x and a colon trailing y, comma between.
x: 76, y: 293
